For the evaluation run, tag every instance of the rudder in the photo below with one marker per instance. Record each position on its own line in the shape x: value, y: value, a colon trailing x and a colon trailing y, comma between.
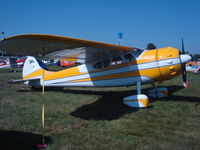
x: 32, y: 65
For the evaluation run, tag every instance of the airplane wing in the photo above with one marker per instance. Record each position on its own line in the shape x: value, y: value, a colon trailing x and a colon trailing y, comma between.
x: 52, y: 46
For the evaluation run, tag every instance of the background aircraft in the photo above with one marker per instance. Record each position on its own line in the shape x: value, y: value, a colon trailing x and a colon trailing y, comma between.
x: 102, y: 64
x: 12, y: 62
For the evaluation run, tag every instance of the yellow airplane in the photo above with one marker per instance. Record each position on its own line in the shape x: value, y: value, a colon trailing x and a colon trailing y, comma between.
x: 100, y: 64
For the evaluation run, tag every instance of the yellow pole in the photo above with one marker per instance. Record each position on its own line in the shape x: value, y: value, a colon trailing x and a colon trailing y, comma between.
x: 42, y: 116
x: 43, y: 108
x: 43, y: 82
x: 43, y: 124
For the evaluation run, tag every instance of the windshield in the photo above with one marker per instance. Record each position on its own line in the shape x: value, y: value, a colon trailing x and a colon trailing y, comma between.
x: 137, y: 52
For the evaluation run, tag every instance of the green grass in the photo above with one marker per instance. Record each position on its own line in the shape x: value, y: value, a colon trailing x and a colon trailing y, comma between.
x: 96, y: 118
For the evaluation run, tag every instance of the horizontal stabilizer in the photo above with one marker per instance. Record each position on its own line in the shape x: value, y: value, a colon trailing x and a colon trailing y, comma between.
x: 21, y: 80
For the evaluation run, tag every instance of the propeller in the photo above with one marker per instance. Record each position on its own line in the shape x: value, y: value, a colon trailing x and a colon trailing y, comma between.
x: 184, y: 75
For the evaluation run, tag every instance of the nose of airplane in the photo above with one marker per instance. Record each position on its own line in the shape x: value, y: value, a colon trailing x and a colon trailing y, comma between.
x: 185, y: 58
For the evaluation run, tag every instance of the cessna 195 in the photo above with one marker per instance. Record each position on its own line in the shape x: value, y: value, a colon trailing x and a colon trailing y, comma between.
x: 101, y: 64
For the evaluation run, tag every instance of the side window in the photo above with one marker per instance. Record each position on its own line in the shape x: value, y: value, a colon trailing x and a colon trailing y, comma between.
x: 129, y: 57
x: 116, y: 61
x: 98, y: 65
x: 137, y: 52
x: 106, y: 62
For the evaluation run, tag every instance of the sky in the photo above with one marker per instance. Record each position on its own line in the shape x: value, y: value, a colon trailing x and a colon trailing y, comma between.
x: 161, y: 22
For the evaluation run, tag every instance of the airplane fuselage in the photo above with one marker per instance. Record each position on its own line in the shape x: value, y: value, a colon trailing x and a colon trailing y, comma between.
x: 125, y: 70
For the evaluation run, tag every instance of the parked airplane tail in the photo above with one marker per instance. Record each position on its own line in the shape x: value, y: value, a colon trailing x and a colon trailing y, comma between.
x: 33, y: 68
x: 33, y: 71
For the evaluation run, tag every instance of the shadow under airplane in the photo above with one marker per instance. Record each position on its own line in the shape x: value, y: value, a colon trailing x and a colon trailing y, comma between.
x: 110, y: 105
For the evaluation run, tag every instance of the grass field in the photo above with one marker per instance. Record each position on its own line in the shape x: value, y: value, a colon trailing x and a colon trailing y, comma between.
x: 96, y: 118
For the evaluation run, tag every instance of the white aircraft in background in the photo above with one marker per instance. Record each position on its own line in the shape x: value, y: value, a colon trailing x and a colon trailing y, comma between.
x: 101, y: 64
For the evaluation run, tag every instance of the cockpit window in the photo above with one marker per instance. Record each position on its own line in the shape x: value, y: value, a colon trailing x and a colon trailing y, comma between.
x: 98, y: 65
x: 116, y: 61
x: 137, y: 52
x: 129, y: 57
x: 106, y: 62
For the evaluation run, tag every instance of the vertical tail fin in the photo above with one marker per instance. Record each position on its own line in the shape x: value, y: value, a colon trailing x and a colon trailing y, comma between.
x: 33, y: 68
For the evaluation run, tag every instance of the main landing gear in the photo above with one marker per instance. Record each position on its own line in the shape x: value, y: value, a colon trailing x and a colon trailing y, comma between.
x: 141, y: 100
x: 156, y: 92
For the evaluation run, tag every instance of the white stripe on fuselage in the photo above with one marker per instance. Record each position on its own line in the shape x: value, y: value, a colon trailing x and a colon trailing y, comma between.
x: 131, y: 68
x: 106, y: 83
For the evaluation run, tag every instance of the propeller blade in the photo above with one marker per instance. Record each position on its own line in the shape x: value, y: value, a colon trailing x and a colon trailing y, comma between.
x: 183, y: 48
x: 184, y: 74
